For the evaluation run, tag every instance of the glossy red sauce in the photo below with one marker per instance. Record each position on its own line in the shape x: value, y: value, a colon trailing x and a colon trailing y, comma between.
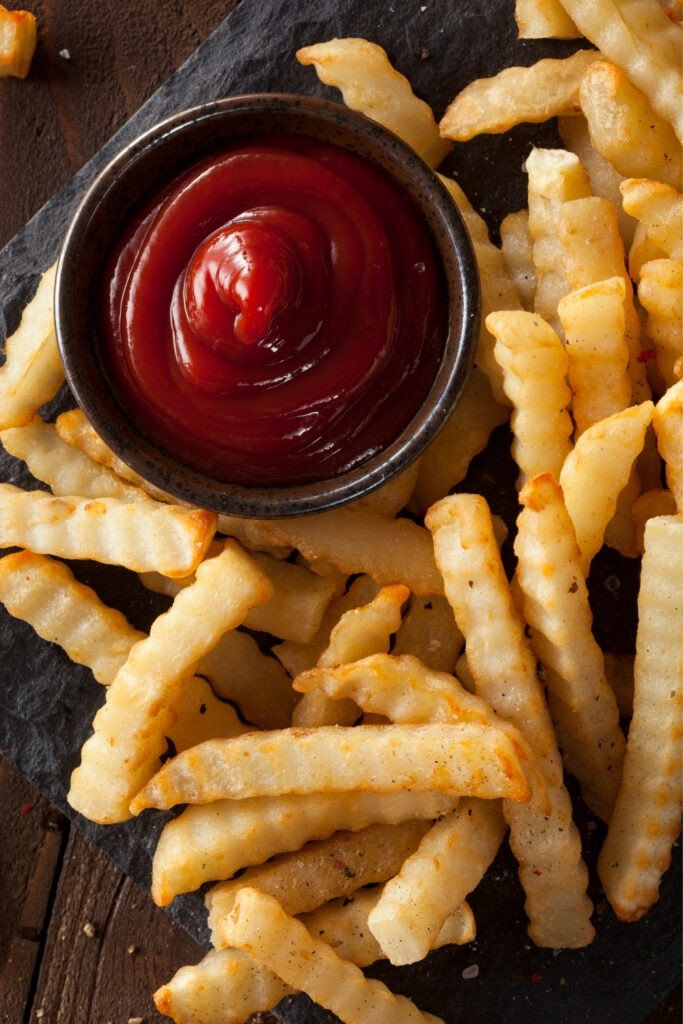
x: 276, y: 315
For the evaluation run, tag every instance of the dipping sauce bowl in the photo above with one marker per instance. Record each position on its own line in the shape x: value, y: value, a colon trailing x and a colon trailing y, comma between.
x: 267, y: 305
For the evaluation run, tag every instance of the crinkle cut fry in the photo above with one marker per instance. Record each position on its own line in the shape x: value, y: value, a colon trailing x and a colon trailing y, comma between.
x: 433, y: 882
x: 547, y: 845
x: 555, y: 602
x: 616, y: 29
x: 32, y: 373
x: 332, y: 868
x: 137, y: 535
x: 371, y: 85
x: 534, y: 364
x: 282, y: 944
x: 359, y: 631
x: 668, y: 423
x: 459, y: 758
x: 647, y: 816
x: 130, y: 729
x: 210, y: 842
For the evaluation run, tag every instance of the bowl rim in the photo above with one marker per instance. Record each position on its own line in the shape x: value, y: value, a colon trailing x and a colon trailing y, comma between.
x: 272, y: 501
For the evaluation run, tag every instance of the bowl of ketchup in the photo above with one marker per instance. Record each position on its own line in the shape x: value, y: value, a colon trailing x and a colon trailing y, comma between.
x: 267, y: 305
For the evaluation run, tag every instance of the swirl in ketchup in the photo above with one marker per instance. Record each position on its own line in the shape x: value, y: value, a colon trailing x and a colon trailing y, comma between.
x: 276, y: 315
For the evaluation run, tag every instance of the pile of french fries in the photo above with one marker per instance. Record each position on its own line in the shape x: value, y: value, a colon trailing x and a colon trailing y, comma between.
x: 417, y: 706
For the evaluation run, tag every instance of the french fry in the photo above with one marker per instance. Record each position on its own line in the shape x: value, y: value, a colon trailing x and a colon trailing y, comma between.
x: 458, y: 759
x: 434, y: 880
x: 369, y: 83
x: 225, y: 987
x: 555, y: 605
x: 657, y: 502
x: 605, y: 180
x: 65, y: 469
x: 593, y: 251
x: 466, y: 433
x: 360, y: 632
x: 516, y: 95
x: 497, y: 289
x: 201, y: 716
x: 518, y: 253
x: 282, y: 944
x: 428, y: 632
x: 626, y: 34
x: 45, y: 593
x: 130, y: 729
x: 535, y: 365
x: 138, y: 535
x: 18, y: 36
x: 358, y: 540
x: 367, y: 629
x: 75, y: 429
x: 299, y: 657
x: 594, y: 325
x: 401, y: 688
x: 660, y: 208
x: 545, y: 840
x: 555, y: 178
x: 660, y: 291
x: 597, y: 470
x: 625, y: 129
x: 544, y: 19
x: 668, y: 423
x: 295, y: 610
x: 305, y: 879
x: 642, y: 251
x: 240, y: 672
x: 210, y: 842
x: 647, y: 815
x: 343, y: 923
x: 32, y: 373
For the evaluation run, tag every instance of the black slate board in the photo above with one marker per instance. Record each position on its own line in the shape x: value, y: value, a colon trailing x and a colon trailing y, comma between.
x: 47, y: 703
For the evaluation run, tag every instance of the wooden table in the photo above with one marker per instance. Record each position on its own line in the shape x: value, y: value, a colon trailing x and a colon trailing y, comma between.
x: 79, y: 942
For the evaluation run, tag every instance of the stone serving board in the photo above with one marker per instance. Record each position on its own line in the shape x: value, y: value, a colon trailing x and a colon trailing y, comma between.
x: 47, y: 703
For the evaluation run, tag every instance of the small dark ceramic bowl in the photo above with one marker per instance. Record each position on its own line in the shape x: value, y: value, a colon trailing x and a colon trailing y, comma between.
x: 151, y: 161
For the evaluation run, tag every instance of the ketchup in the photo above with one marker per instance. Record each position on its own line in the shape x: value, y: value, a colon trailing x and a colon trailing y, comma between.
x: 275, y: 315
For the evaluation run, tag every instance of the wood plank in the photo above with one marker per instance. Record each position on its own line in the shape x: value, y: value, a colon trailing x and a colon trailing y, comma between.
x: 95, y: 64
x: 108, y: 947
x: 31, y: 844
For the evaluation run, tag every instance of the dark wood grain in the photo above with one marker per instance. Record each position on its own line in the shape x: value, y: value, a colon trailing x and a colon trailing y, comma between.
x: 96, y: 62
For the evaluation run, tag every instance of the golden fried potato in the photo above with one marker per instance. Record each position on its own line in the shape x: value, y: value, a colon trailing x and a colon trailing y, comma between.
x: 370, y: 84
x: 535, y: 365
x: 555, y: 606
x: 640, y: 39
x: 434, y: 880
x: 625, y: 129
x: 647, y: 816
x: 544, y: 19
x: 596, y: 472
x: 32, y: 373
x: 130, y: 729
x: 306, y: 879
x: 210, y: 842
x: 515, y: 95
x: 18, y: 37
x: 594, y: 323
x: 282, y: 944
